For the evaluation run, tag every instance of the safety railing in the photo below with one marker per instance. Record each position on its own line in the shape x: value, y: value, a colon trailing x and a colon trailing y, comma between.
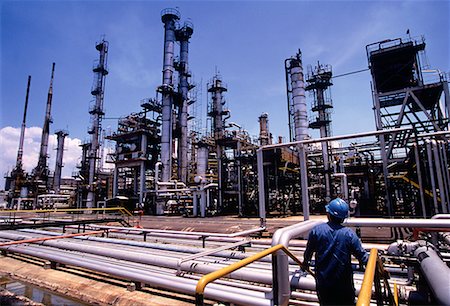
x: 375, y: 275
x: 10, y: 216
x: 208, y: 278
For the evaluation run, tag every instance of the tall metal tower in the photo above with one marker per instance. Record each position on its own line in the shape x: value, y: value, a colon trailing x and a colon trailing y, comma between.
x: 97, y: 113
x: 19, y: 165
x: 216, y: 112
x: 169, y: 18
x: 403, y: 98
x: 318, y: 83
x: 265, y: 137
x: 17, y: 178
x: 61, y: 135
x: 183, y: 35
x: 298, y: 118
x: 41, y: 170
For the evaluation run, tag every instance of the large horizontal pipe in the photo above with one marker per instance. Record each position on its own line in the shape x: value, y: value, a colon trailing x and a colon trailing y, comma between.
x: 380, y: 222
x: 173, y: 283
x: 436, y: 272
x: 247, y: 274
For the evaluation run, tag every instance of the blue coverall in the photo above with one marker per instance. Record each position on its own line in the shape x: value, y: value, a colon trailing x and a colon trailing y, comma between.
x: 333, y: 245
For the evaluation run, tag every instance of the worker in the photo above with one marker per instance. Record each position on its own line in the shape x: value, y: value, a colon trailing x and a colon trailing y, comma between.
x: 333, y: 244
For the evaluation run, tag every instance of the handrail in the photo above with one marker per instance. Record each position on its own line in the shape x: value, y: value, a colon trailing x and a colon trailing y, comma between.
x: 208, y: 278
x: 122, y: 210
x: 365, y: 293
x: 374, y: 274
x: 40, y: 239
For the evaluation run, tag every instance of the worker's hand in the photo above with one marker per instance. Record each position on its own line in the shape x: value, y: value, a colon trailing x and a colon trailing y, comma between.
x: 305, y: 266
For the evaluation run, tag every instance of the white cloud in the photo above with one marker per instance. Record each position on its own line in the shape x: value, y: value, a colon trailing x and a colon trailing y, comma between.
x: 9, y: 141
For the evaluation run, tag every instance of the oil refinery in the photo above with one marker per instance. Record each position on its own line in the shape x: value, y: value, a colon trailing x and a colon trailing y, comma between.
x: 183, y: 216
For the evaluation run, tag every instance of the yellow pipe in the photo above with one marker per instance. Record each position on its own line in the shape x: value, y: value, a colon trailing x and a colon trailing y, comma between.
x: 365, y: 293
x: 395, y: 294
x: 206, y: 279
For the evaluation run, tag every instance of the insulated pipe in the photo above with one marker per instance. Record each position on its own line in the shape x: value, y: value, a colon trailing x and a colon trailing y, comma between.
x: 442, y: 192
x: 381, y: 222
x: 446, y: 173
x: 217, y: 292
x: 157, y: 166
x: 419, y: 177
x: 344, y: 183
x: 195, y: 266
x: 248, y: 274
x: 432, y: 176
x: 436, y: 272
x: 282, y: 290
x: 169, y: 17
x: 61, y: 135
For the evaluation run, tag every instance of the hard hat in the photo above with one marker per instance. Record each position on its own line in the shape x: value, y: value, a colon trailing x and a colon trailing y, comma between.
x: 337, y: 208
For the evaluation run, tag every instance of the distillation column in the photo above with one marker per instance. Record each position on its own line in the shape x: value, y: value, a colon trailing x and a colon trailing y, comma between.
x: 97, y: 114
x: 41, y: 171
x: 264, y: 135
x: 319, y: 81
x: 169, y: 17
x: 217, y: 89
x: 183, y: 35
x: 61, y: 135
x: 299, y: 110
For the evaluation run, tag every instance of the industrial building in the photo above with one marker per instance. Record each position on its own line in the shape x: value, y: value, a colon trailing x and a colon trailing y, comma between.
x: 164, y: 166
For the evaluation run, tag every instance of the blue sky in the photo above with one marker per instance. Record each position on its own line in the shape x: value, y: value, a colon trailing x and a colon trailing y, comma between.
x: 247, y: 41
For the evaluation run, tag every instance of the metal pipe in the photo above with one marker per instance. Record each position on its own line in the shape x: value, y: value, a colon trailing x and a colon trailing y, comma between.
x: 380, y: 222
x: 432, y: 177
x: 280, y: 259
x: 436, y: 272
x: 419, y: 177
x: 261, y: 188
x: 216, y: 292
x: 344, y: 183
x: 445, y: 172
x: 365, y: 293
x: 437, y: 162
